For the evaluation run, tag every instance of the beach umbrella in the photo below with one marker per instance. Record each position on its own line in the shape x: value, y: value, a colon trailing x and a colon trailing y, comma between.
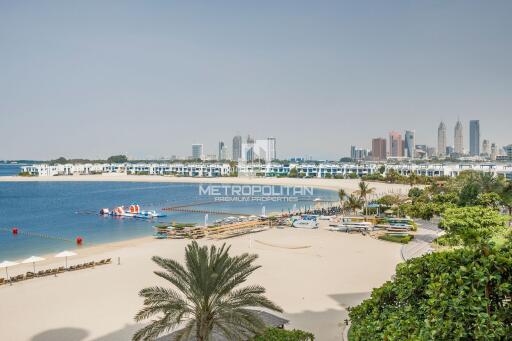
x: 5, y: 264
x: 65, y: 254
x: 33, y: 260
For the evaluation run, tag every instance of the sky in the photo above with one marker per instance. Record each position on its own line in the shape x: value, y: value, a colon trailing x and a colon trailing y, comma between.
x: 89, y: 79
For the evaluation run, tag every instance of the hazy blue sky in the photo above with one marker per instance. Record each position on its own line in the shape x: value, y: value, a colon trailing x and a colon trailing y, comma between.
x: 149, y: 78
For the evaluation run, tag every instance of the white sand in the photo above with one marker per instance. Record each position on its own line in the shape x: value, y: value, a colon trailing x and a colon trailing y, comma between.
x: 348, y: 185
x: 312, y: 285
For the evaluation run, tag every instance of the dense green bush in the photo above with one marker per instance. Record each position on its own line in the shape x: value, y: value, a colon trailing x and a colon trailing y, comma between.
x: 396, y: 239
x: 456, y: 295
x: 276, y: 334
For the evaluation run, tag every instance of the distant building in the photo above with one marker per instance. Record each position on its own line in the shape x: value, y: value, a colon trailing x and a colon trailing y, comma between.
x: 486, y: 148
x: 449, y: 150
x: 197, y: 151
x: 237, y: 148
x: 410, y: 143
x: 494, y: 151
x: 431, y: 151
x: 221, y: 146
x: 441, y: 139
x: 474, y: 137
x: 395, y: 144
x: 508, y: 151
x: 459, y: 138
x: 357, y: 153
x: 223, y: 152
x: 379, y: 149
x: 271, y: 149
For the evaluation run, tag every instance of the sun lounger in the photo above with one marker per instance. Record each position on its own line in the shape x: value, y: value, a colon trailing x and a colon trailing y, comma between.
x: 30, y: 275
x: 108, y: 260
x: 18, y: 278
x: 61, y: 269
x: 55, y: 271
x: 91, y: 264
x: 72, y: 268
x: 48, y: 272
x: 98, y: 263
x: 102, y: 261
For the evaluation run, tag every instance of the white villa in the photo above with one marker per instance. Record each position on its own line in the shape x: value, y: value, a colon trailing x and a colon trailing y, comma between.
x: 316, y: 170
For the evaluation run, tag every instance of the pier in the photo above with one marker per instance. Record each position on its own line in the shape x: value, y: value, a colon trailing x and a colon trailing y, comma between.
x: 193, y: 210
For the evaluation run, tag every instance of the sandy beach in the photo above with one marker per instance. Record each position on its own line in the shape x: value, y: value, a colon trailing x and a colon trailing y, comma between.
x: 314, y: 285
x: 348, y: 185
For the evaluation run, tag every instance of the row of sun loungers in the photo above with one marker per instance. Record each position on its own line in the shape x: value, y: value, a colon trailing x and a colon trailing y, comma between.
x: 49, y: 272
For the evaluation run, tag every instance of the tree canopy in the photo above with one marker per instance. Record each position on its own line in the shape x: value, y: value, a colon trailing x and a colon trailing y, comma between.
x: 117, y: 159
x: 454, y: 295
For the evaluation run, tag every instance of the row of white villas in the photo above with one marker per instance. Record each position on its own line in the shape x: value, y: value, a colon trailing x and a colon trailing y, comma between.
x: 313, y: 170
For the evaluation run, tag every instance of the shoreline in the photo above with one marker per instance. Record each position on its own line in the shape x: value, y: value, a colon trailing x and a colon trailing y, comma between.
x: 349, y: 185
x: 318, y: 305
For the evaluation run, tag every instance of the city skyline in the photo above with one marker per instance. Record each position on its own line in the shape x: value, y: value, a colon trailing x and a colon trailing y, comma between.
x: 199, y: 73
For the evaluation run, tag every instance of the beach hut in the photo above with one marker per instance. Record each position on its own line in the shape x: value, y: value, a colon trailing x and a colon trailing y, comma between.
x: 6, y: 264
x: 65, y: 254
x: 33, y: 260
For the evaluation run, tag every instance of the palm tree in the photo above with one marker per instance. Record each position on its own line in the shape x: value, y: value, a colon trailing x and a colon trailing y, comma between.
x: 353, y: 203
x: 206, y: 297
x: 342, y: 194
x: 364, y: 190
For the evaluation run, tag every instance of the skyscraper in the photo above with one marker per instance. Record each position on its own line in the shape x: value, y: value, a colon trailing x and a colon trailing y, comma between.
x: 237, y: 148
x: 379, y: 149
x: 474, y: 137
x: 485, y: 147
x: 441, y: 139
x: 410, y: 143
x: 197, y: 151
x: 271, y: 149
x: 221, y: 147
x: 396, y: 147
x: 458, y: 138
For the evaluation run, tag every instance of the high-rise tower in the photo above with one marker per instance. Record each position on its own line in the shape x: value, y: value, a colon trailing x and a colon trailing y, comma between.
x: 459, y: 138
x: 441, y: 139
x: 474, y: 137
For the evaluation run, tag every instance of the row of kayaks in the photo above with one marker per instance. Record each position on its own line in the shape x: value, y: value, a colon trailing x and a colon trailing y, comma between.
x: 133, y: 211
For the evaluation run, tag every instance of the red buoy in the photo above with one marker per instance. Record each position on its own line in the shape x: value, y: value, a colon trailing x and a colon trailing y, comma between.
x: 14, y: 230
x: 79, y: 240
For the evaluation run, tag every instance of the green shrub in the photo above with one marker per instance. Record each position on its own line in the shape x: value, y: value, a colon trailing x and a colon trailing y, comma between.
x: 397, y: 239
x: 456, y: 295
x: 276, y: 334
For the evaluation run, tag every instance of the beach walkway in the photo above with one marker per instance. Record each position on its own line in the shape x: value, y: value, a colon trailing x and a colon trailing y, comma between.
x: 420, y: 245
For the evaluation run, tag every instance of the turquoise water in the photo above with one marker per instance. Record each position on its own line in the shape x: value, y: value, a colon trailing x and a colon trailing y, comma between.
x: 10, y: 169
x: 70, y: 209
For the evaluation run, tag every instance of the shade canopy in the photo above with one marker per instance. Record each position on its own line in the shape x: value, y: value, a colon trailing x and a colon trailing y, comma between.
x: 6, y: 264
x: 65, y: 254
x: 33, y: 259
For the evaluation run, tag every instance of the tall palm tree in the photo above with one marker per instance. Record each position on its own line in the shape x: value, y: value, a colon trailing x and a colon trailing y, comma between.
x: 342, y: 194
x: 364, y: 191
x: 206, y: 296
x: 353, y: 203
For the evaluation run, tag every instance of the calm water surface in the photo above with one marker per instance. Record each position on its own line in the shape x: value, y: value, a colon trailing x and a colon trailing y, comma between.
x: 69, y: 209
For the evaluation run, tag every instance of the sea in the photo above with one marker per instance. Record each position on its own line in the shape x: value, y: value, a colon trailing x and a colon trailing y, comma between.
x: 51, y: 215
